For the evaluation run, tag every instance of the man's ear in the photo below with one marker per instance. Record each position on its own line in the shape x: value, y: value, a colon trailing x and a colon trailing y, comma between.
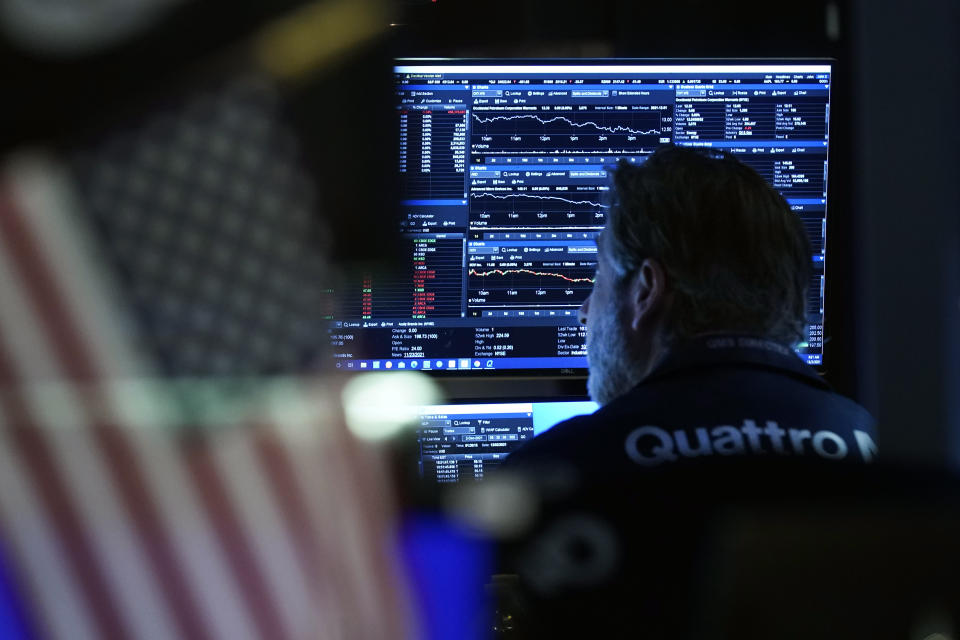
x: 647, y: 294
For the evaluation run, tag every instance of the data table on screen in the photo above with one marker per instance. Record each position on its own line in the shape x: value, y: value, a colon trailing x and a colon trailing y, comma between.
x: 504, y: 173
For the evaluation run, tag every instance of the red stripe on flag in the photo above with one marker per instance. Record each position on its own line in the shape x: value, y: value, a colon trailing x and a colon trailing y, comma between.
x: 290, y: 502
x: 39, y: 282
x: 150, y: 529
x: 216, y: 502
x: 33, y: 449
x: 61, y: 331
x: 20, y: 590
x: 333, y: 482
x: 36, y: 452
x: 375, y: 520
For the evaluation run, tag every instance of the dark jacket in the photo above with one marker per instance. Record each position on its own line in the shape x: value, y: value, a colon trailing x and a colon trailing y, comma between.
x: 730, y: 396
x: 652, y: 506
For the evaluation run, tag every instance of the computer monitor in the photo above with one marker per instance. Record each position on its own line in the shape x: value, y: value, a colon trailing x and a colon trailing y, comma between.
x: 503, y: 168
x: 464, y: 442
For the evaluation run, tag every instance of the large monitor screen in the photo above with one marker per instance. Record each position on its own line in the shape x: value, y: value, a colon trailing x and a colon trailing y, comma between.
x: 503, y: 171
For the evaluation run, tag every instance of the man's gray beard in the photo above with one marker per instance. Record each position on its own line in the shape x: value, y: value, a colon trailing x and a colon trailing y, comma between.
x: 612, y: 371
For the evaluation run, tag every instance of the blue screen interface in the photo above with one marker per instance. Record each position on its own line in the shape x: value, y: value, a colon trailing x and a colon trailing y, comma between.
x: 464, y: 442
x: 503, y: 172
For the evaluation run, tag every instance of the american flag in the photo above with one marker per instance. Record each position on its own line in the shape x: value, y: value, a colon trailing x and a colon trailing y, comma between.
x: 142, y: 493
x: 212, y: 228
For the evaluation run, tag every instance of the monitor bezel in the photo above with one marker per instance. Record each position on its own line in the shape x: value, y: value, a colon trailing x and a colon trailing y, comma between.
x: 571, y: 381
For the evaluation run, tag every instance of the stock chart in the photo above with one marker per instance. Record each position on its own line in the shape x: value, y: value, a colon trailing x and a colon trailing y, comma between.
x: 565, y: 130
x: 504, y: 172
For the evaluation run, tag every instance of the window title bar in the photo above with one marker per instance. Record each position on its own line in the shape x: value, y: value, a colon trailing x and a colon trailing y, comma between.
x: 614, y: 69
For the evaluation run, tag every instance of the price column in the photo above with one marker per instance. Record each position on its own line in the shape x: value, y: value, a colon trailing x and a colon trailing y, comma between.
x: 433, y: 153
x: 437, y: 276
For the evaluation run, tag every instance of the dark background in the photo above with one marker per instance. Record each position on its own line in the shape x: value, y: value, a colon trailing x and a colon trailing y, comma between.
x: 893, y: 297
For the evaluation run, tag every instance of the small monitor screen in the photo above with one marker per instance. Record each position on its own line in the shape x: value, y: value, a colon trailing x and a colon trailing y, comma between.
x: 503, y: 169
x: 466, y: 441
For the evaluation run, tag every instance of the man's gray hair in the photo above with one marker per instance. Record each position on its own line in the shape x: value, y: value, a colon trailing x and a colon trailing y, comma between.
x: 737, y: 258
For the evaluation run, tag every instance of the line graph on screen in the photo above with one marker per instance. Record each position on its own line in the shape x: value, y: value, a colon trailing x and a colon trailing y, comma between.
x: 527, y: 123
x: 587, y: 130
x: 521, y: 210
x: 530, y: 284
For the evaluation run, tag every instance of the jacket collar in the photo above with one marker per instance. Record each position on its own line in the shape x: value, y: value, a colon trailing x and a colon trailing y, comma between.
x: 735, y: 349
